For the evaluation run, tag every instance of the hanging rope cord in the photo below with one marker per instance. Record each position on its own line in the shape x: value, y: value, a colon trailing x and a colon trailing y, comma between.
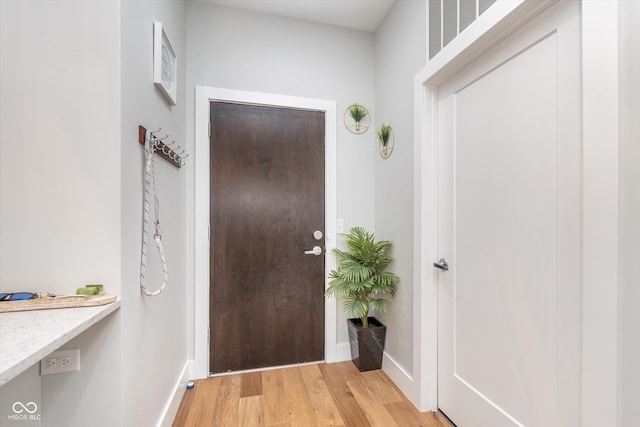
x: 149, y: 183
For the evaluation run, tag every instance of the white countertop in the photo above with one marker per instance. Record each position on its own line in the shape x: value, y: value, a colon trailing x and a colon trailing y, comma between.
x: 26, y: 337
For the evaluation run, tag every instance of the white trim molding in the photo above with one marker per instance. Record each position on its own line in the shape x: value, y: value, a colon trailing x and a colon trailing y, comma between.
x: 601, y: 204
x: 599, y: 400
x: 170, y: 409
x: 496, y: 23
x: 493, y: 26
x: 204, y: 95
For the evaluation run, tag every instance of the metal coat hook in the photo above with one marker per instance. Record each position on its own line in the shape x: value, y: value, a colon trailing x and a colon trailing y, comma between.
x: 162, y: 149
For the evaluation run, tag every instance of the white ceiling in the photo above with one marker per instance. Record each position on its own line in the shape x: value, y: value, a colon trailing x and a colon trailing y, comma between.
x: 364, y: 15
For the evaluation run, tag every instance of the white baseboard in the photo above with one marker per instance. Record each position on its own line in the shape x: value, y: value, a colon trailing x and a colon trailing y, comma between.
x: 394, y: 371
x: 343, y: 352
x: 171, y: 408
x: 401, y: 378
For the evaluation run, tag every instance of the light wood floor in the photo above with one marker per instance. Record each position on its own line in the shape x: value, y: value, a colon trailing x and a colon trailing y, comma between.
x: 334, y: 394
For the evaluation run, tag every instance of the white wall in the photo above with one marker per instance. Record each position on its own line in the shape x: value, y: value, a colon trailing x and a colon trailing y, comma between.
x: 76, y: 398
x: 71, y: 196
x: 24, y: 388
x: 153, y: 336
x: 235, y: 49
x: 60, y: 157
x: 60, y: 181
x: 629, y: 350
x: 400, y: 54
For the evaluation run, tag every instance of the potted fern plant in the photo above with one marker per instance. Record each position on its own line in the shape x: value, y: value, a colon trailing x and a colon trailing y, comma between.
x: 362, y: 280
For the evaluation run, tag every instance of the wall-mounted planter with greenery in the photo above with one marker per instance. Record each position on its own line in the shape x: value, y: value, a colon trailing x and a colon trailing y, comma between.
x: 357, y: 118
x: 386, y: 140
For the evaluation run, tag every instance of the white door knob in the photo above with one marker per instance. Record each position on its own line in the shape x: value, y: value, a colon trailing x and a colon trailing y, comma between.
x: 441, y: 264
x: 317, y: 250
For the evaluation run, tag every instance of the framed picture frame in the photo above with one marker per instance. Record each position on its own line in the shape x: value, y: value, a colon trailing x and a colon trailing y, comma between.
x: 165, y: 64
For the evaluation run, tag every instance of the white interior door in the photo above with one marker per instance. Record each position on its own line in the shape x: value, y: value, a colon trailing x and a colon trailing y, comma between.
x: 509, y: 226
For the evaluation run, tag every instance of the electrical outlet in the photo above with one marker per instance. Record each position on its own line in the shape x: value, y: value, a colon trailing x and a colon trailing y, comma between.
x: 60, y: 361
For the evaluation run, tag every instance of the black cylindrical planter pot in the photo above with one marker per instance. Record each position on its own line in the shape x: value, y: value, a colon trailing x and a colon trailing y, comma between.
x: 367, y: 345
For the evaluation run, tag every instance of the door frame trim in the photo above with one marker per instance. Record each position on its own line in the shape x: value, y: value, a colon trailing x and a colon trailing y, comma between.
x: 600, y: 139
x: 204, y: 95
x: 494, y: 25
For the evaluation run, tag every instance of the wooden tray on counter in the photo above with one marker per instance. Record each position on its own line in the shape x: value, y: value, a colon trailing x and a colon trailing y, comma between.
x: 48, y: 302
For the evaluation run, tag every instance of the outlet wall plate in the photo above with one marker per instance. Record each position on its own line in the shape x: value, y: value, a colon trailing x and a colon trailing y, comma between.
x: 60, y: 361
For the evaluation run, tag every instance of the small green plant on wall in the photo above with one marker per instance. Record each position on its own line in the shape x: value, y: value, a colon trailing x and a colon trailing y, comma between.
x: 357, y: 113
x: 385, y: 138
x: 360, y: 116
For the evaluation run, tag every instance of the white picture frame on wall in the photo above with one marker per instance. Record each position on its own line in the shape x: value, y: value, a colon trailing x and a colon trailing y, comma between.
x: 165, y: 64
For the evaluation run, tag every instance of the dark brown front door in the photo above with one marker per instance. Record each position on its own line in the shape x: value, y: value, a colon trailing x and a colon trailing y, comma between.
x: 267, y: 199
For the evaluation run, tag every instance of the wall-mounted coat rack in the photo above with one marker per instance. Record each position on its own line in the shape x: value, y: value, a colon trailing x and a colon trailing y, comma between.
x: 164, y: 150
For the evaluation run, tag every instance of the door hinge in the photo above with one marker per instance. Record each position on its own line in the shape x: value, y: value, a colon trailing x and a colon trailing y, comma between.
x: 209, y: 232
x: 209, y: 336
x: 209, y: 128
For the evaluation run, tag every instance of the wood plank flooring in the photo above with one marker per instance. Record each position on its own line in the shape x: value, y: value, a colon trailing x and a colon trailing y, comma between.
x: 334, y: 394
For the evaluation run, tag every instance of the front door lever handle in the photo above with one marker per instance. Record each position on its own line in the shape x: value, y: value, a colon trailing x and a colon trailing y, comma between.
x: 441, y: 264
x: 317, y: 250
